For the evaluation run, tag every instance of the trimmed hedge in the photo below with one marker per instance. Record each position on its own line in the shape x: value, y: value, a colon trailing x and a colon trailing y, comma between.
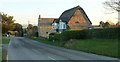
x: 55, y: 36
x: 106, y: 33
x: 77, y: 34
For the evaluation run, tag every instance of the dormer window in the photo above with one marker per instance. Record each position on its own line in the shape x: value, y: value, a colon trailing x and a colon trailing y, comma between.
x: 62, y: 25
x: 55, y: 25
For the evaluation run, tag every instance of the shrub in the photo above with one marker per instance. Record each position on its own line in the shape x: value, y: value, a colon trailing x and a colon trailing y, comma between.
x: 55, y: 36
x: 75, y: 34
x: 51, y: 35
x: 107, y: 33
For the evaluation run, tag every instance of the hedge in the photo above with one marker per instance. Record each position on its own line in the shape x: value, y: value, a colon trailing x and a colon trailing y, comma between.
x: 106, y: 33
x: 55, y: 36
x: 77, y: 34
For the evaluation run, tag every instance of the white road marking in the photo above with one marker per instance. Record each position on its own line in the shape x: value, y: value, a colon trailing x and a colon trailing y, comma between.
x: 51, y: 58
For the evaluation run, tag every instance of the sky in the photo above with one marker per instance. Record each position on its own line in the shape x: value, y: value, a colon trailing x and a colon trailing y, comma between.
x: 29, y: 10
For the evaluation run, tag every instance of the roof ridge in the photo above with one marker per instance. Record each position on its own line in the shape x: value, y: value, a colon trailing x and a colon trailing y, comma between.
x: 73, y: 8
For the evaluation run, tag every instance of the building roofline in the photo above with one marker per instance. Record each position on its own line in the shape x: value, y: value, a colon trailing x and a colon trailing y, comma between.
x: 74, y: 9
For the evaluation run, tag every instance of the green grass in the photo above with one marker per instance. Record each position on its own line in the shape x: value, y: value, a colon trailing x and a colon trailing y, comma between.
x: 55, y: 43
x: 0, y: 40
x: 0, y: 54
x: 5, y: 40
x: 107, y: 47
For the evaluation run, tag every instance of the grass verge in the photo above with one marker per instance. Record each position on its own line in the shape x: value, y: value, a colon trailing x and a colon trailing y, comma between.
x: 3, y: 52
x: 0, y: 54
x: 55, y: 43
x: 107, y: 47
x: 5, y: 40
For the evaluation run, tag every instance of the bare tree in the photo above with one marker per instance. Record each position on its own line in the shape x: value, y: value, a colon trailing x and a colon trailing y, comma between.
x: 112, y: 4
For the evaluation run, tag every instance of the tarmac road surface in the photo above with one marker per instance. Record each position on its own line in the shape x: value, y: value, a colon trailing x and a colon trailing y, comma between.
x: 21, y: 48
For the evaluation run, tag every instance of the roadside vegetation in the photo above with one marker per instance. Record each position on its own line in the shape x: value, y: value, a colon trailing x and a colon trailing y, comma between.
x: 97, y: 41
x: 3, y: 51
x: 5, y: 40
x: 55, y: 43
x: 107, y: 47
x: 0, y: 54
x: 9, y: 27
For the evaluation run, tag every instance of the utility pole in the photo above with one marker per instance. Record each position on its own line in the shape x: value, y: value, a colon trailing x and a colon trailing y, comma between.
x: 39, y: 25
x: 0, y: 27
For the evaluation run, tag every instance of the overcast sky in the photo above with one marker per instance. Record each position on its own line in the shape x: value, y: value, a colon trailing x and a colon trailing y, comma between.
x: 29, y: 10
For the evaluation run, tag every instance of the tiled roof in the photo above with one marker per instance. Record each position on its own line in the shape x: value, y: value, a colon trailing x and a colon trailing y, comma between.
x: 47, y: 19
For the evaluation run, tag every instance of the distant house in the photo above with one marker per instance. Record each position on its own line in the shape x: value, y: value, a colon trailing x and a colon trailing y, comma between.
x: 72, y: 19
x: 45, y: 26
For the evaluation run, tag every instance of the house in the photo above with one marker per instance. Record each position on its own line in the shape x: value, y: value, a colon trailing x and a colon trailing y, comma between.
x: 45, y: 26
x: 72, y: 19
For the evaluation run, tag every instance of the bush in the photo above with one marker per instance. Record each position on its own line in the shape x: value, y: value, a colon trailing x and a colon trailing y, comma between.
x: 67, y: 35
x: 107, y: 33
x: 75, y: 34
x: 55, y: 36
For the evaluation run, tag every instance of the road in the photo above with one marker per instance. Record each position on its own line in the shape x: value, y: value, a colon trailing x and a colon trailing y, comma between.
x: 21, y: 48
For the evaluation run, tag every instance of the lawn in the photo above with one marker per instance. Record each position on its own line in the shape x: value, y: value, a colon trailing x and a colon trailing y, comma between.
x: 107, y: 47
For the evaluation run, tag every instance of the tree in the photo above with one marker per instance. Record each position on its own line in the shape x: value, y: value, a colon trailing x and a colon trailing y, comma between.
x: 113, y: 4
x: 35, y: 28
x: 101, y: 24
x: 35, y: 31
x: 29, y: 30
x: 30, y: 26
x: 24, y: 31
x: 18, y: 28
x: 7, y: 23
x: 32, y: 31
x: 106, y: 25
x: 118, y: 24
